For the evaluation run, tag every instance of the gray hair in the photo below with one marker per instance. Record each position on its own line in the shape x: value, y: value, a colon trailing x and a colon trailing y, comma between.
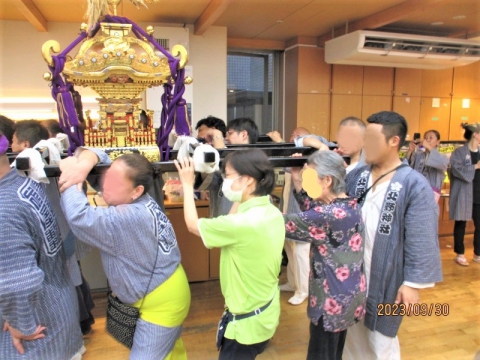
x: 329, y: 163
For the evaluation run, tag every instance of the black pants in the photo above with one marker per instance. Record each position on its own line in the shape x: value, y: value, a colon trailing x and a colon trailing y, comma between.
x: 459, y: 233
x: 325, y: 345
x: 233, y: 350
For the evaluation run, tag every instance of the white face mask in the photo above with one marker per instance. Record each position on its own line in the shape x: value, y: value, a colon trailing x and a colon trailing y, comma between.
x: 232, y: 195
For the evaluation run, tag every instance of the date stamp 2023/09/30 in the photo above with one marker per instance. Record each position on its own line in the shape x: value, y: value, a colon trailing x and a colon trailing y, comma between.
x: 418, y: 309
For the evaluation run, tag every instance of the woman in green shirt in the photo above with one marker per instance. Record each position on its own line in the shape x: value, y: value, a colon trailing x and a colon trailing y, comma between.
x: 251, y: 239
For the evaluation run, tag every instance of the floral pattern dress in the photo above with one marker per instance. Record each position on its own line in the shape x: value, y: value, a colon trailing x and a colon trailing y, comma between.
x: 337, y: 285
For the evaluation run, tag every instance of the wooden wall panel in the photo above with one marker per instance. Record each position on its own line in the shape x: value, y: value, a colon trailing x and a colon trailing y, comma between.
x: 361, y: 91
x: 466, y: 81
x: 437, y: 83
x: 374, y: 104
x: 408, y: 82
x: 291, y: 90
x: 377, y: 80
x: 409, y: 108
x: 314, y: 113
x: 460, y: 115
x: 437, y: 118
x: 314, y: 74
x: 347, y: 79
x: 343, y: 106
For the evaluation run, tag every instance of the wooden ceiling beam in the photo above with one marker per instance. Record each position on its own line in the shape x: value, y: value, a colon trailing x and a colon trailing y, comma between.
x: 211, y: 13
x: 32, y: 14
x: 255, y: 44
x: 384, y: 17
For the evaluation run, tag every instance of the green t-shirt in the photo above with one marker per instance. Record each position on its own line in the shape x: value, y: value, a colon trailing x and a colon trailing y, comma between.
x: 251, y: 243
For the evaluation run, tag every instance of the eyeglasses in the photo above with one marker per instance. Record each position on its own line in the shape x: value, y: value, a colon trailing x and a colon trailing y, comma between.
x: 230, y: 132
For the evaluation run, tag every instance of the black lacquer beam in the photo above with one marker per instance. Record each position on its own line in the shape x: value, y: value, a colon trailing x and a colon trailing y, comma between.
x: 270, y: 151
x: 169, y: 166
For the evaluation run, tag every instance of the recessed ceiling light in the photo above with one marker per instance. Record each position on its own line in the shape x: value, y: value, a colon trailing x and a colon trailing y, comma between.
x: 437, y: 23
x: 279, y: 21
x: 231, y: 91
x: 459, y: 17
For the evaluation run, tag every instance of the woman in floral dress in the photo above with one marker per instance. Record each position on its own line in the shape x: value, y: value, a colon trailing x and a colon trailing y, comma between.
x: 332, y: 223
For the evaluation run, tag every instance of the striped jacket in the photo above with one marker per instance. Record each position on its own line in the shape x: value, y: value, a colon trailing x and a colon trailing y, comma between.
x: 406, y: 242
x: 35, y: 288
x: 433, y: 166
x: 128, y: 237
x: 461, y: 175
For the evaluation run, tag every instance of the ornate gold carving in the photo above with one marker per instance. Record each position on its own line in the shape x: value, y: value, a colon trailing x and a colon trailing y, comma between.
x: 188, y: 80
x: 150, y: 30
x: 179, y: 50
x: 150, y: 152
x: 50, y: 45
x: 116, y: 64
x: 119, y: 67
x: 83, y: 27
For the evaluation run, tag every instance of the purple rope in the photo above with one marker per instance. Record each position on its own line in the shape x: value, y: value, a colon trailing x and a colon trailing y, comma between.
x: 173, y: 111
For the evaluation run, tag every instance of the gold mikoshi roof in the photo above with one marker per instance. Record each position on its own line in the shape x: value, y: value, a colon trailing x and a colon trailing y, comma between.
x: 117, y: 65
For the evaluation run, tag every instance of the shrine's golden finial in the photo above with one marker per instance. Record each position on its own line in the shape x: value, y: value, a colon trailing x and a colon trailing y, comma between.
x: 114, y: 4
x: 179, y: 50
x: 99, y: 8
x: 50, y: 45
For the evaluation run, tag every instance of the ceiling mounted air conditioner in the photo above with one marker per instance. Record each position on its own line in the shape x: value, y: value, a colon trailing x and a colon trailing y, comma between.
x: 373, y: 48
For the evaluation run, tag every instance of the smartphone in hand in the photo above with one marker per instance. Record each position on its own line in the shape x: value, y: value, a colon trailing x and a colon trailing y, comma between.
x: 416, y: 137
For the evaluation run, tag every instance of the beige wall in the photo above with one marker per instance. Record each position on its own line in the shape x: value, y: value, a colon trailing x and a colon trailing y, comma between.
x: 208, y: 57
